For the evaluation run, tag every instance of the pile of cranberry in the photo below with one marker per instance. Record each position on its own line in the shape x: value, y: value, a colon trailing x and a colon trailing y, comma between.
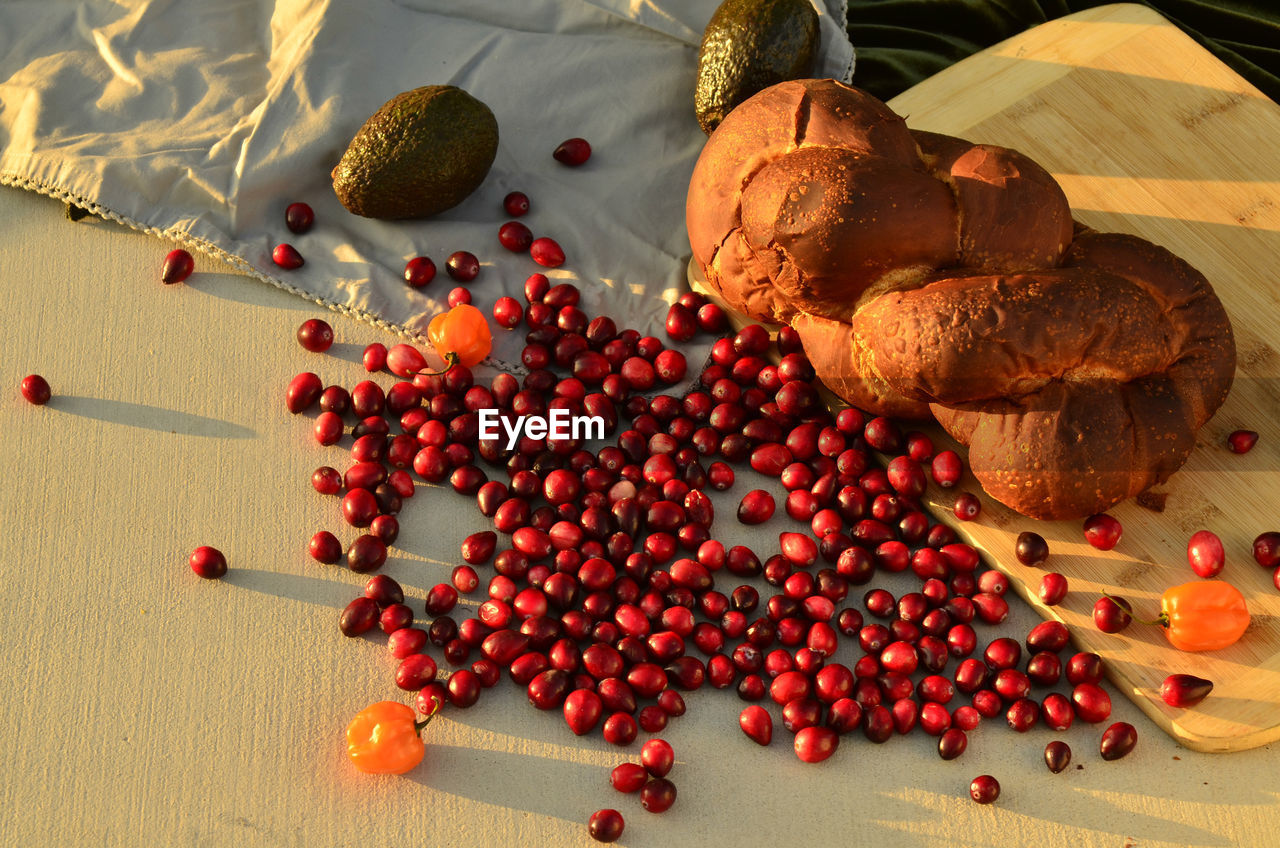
x: 602, y: 589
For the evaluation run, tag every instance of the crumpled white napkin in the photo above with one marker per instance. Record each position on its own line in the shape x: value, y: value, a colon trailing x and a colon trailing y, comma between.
x: 200, y: 121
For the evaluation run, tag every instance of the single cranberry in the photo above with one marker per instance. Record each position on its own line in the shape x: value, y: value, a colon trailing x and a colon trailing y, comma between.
x: 605, y: 825
x: 1053, y: 589
x: 816, y: 743
x: 462, y: 266
x: 1084, y: 667
x: 1057, y: 756
x: 952, y: 743
x: 1031, y: 549
x: 507, y: 312
x: 367, y: 553
x: 299, y: 217
x: 984, y: 789
x: 304, y: 390
x: 516, y: 204
x: 756, y: 507
x: 546, y: 252
x: 458, y: 295
x: 572, y: 151
x: 628, y: 777
x: 1184, y: 690
x: 967, y: 506
x: 359, y: 616
x: 657, y: 756
x: 1102, y: 531
x: 419, y: 271
x: 315, y: 335
x: 1205, y: 554
x: 681, y: 325
x: 620, y: 729
x: 36, y: 389
x: 945, y: 468
x: 658, y: 795
x: 178, y: 265
x: 287, y: 257
x: 1266, y: 549
x: 1112, y: 614
x: 1242, y: 441
x: 324, y: 547
x: 1118, y: 740
x: 1091, y: 701
x: 208, y: 562
x: 375, y: 357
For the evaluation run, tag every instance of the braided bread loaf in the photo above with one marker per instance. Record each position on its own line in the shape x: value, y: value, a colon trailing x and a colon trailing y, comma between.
x: 927, y: 275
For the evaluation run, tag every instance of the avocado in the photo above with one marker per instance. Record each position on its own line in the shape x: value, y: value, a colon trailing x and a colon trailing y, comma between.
x: 749, y: 45
x: 423, y: 152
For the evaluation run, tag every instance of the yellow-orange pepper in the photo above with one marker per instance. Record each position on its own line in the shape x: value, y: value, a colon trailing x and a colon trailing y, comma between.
x: 1204, y: 615
x: 461, y: 335
x: 383, y: 738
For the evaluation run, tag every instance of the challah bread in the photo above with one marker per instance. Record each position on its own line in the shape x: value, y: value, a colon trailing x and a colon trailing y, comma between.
x: 929, y: 275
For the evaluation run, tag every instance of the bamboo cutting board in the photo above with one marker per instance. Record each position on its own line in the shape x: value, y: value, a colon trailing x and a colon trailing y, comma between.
x: 1149, y: 134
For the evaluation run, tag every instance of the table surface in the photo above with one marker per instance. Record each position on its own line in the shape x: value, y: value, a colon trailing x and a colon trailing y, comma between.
x: 147, y: 706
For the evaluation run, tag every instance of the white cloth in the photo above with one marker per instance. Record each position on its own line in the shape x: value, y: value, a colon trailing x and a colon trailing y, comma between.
x: 201, y: 121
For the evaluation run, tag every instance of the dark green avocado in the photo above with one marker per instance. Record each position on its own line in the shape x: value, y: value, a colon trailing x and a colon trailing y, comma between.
x: 423, y: 152
x: 750, y: 45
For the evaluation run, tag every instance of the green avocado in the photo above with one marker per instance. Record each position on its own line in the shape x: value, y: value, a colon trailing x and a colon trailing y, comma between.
x: 423, y: 152
x: 750, y: 45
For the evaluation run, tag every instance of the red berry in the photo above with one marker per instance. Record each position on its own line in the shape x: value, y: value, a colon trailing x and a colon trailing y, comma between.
x: 1118, y: 740
x: 462, y: 266
x: 287, y: 257
x: 178, y: 265
x: 546, y: 252
x: 1102, y: 531
x: 658, y: 757
x: 605, y: 825
x: 35, y: 389
x: 419, y: 271
x: 1031, y: 548
x: 1184, y: 690
x: 967, y: 506
x: 315, y: 335
x: 1057, y: 756
x: 658, y: 795
x: 516, y: 203
x: 1111, y: 615
x: 756, y: 722
x: 458, y: 295
x: 507, y: 312
x: 572, y: 152
x: 1242, y: 441
x: 208, y: 562
x: 984, y: 789
x: 1266, y: 549
x: 1205, y: 554
x: 299, y: 217
x: 515, y: 236
x: 816, y: 743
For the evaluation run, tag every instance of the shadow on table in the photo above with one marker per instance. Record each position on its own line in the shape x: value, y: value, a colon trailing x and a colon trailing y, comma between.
x: 309, y: 590
x: 150, y: 417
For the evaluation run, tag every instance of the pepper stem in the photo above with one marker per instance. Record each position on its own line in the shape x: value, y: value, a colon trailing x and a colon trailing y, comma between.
x: 419, y: 725
x: 1162, y: 619
x: 450, y: 358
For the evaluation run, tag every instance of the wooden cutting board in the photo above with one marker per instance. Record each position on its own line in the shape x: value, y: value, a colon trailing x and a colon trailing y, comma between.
x: 1149, y: 134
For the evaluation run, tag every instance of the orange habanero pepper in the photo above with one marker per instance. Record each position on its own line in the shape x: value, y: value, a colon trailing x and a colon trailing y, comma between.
x: 1204, y: 615
x: 461, y: 335
x: 383, y: 738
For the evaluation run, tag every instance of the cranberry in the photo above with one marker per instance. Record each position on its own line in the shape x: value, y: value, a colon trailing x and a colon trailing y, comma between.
x: 515, y: 236
x: 178, y: 265
x: 326, y: 480
x: 1031, y: 548
x: 546, y: 252
x: 658, y: 757
x: 359, y: 616
x: 208, y: 562
x: 572, y: 151
x: 415, y: 672
x: 952, y: 743
x: 1057, y: 756
x: 628, y: 777
x: 605, y: 825
x: 1053, y: 589
x: 620, y: 729
x: 463, y: 687
x: 816, y: 743
x: 325, y: 547
x: 967, y: 506
x: 1184, y: 690
x: 1118, y: 740
x: 457, y: 296
x: 681, y: 324
x: 658, y: 795
x: 375, y: 357
x: 1092, y: 703
x: 984, y: 789
x: 419, y: 271
x: 1112, y: 614
x: 304, y: 390
x: 315, y: 335
x: 1205, y: 554
x: 1242, y: 441
x: 1084, y: 667
x: 1057, y: 711
x: 462, y: 266
x: 756, y: 507
x: 287, y: 257
x: 1266, y: 549
x: 36, y: 389
x: 1102, y: 531
x: 367, y: 553
x: 299, y: 217
x: 946, y: 468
